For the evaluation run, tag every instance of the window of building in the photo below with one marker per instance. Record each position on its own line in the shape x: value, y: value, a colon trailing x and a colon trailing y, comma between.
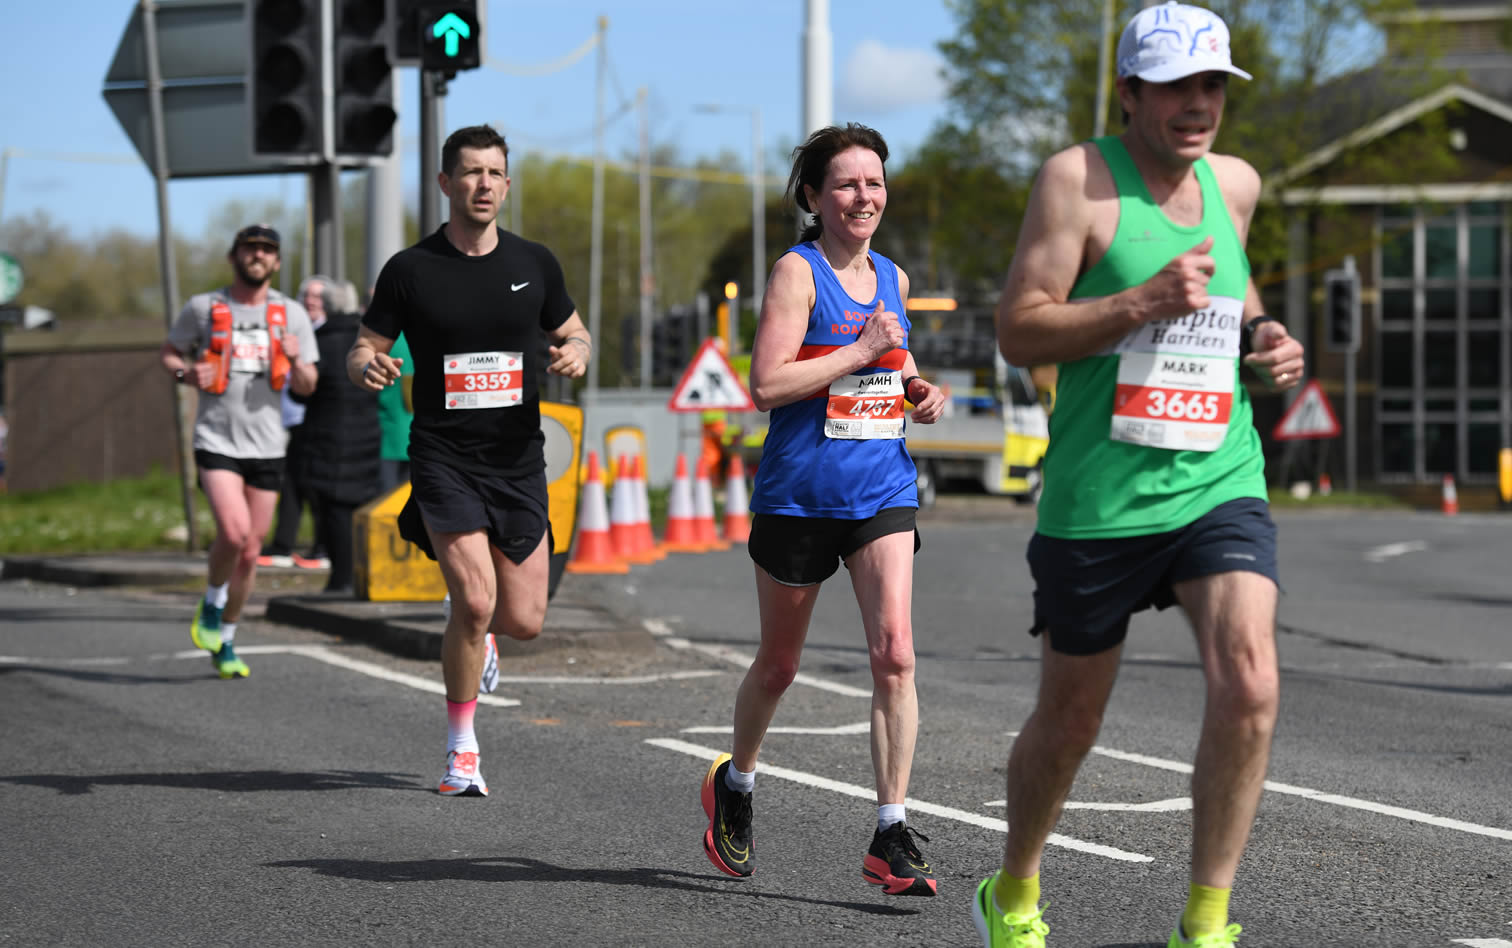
x: 1443, y: 324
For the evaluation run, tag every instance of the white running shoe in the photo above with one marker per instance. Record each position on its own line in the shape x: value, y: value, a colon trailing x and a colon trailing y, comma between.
x: 463, y: 778
x: 490, y: 679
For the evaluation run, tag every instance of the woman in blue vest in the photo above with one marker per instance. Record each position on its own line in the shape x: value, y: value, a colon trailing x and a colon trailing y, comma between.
x: 835, y: 485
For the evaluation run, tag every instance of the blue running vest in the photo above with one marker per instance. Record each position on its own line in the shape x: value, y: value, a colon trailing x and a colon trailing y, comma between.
x: 805, y: 474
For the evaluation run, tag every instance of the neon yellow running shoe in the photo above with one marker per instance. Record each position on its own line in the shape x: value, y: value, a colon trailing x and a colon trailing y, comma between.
x: 1227, y: 938
x: 1002, y: 930
x: 228, y: 664
x: 205, y: 632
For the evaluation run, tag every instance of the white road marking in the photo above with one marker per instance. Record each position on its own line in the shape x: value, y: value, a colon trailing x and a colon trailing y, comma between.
x: 1382, y: 809
x: 321, y: 653
x: 917, y: 806
x: 862, y: 727
x: 1154, y: 806
x: 1483, y: 942
x: 1381, y: 554
x: 71, y: 662
x: 740, y: 659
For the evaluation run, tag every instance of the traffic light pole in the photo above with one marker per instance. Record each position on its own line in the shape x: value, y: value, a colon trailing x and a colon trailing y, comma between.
x: 432, y: 89
x: 167, y: 263
x: 325, y: 189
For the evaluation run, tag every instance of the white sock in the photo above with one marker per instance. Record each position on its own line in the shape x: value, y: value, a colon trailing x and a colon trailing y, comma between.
x: 228, y: 632
x: 739, y: 780
x: 890, y: 813
x: 217, y: 595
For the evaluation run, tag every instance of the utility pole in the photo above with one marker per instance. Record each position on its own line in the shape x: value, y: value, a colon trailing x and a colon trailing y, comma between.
x: 758, y: 214
x: 596, y: 254
x: 647, y: 278
x: 1104, y: 55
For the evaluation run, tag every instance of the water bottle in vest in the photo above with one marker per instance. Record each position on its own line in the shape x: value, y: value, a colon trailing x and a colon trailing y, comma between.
x: 278, y: 361
x: 217, y: 353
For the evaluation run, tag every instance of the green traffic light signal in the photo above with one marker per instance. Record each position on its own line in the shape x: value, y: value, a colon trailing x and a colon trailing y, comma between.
x: 450, y: 36
x: 451, y: 29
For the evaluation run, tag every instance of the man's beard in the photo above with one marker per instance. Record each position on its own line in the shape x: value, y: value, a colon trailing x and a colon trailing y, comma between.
x: 247, y: 278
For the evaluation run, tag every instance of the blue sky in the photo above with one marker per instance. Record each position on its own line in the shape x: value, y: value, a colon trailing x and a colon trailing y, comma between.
x: 684, y: 52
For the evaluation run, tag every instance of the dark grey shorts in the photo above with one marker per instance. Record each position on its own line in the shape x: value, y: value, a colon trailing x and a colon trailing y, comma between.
x: 258, y: 473
x: 803, y: 551
x: 1085, y: 590
x: 513, y: 511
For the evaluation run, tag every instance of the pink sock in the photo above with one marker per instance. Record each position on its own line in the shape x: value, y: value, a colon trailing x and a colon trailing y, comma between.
x: 459, y: 725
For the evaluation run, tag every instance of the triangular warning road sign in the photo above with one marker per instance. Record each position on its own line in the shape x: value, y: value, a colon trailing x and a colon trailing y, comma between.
x: 710, y: 383
x: 1310, y: 416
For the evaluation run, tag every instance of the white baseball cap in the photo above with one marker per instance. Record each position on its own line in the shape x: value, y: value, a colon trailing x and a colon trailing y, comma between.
x: 1172, y: 41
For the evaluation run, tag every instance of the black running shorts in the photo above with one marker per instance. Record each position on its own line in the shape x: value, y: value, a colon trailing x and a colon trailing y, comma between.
x: 803, y: 551
x: 1085, y: 590
x: 258, y: 473
x: 514, y: 511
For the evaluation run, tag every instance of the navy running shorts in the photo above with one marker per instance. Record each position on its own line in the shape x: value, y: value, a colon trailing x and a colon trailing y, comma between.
x: 512, y: 510
x: 1085, y: 590
x: 258, y: 473
x: 804, y: 551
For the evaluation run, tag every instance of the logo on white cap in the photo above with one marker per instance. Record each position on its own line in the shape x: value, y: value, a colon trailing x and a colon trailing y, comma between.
x: 1172, y: 41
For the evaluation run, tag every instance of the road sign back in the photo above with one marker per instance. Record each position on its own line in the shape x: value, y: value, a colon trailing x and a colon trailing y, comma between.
x: 1310, y: 416
x: 710, y: 383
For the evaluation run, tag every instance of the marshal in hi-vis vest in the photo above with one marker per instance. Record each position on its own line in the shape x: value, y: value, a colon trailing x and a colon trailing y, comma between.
x: 222, y: 349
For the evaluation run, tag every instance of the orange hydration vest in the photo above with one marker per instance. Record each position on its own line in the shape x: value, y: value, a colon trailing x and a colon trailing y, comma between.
x: 218, y: 353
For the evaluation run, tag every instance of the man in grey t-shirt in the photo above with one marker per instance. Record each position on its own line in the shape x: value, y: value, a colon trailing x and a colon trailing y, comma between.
x: 240, y: 346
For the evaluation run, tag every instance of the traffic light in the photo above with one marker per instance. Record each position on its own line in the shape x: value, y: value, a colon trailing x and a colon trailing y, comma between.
x: 670, y: 337
x: 364, y: 103
x: 285, y: 79
x: 1341, y: 311
x: 451, y: 37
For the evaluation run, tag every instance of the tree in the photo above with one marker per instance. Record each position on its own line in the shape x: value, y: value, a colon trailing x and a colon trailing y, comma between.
x: 1023, y: 83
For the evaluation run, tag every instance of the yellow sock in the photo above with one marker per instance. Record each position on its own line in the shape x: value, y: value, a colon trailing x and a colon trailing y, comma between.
x: 1016, y: 896
x: 1206, y: 911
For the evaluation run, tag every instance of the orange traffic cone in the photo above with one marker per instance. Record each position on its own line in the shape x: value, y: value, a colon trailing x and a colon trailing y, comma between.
x: 703, y: 505
x: 737, y: 513
x: 682, y: 528
x: 595, y: 547
x: 1451, y: 496
x: 1325, y: 485
x: 622, y: 512
x: 644, y: 537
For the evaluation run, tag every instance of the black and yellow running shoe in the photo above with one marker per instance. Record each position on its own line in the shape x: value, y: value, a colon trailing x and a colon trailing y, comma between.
x: 895, y: 863
x: 727, y: 841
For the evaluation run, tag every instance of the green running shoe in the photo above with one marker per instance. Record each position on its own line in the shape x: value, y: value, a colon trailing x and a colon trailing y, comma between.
x: 1000, y: 930
x: 228, y: 664
x: 205, y: 632
x: 1227, y: 938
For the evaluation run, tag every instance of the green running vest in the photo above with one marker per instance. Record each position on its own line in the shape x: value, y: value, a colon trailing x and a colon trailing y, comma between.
x: 1139, y: 390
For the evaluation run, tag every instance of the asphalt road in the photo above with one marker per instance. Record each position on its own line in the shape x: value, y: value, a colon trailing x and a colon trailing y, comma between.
x: 143, y: 801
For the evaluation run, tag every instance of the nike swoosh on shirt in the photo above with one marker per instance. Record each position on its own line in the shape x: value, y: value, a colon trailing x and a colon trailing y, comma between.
x: 517, y: 287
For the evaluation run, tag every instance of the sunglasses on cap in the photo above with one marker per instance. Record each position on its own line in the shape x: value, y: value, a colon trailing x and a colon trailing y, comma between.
x: 256, y: 234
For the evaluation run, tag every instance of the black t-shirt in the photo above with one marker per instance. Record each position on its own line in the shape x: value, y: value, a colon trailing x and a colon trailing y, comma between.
x: 474, y: 325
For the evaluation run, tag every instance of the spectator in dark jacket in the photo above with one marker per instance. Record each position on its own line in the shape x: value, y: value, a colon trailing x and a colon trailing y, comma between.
x: 340, y: 462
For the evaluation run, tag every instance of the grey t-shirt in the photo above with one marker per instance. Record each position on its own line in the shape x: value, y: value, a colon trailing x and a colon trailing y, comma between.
x: 244, y: 421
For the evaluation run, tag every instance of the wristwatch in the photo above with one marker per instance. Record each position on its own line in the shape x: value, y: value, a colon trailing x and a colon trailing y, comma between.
x: 1247, y: 332
x: 178, y: 376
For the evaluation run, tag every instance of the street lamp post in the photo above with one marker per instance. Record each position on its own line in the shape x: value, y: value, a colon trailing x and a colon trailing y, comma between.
x: 758, y: 200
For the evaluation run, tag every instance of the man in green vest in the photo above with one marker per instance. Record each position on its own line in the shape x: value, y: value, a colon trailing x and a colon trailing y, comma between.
x: 1130, y: 275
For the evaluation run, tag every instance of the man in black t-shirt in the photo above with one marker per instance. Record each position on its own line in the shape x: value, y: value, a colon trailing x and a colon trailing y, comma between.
x: 472, y: 300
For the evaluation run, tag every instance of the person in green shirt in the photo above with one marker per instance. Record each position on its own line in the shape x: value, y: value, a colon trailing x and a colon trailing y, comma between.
x: 395, y: 412
x: 1130, y: 276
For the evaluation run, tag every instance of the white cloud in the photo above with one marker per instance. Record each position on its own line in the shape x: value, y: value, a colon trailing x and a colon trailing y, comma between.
x: 878, y: 78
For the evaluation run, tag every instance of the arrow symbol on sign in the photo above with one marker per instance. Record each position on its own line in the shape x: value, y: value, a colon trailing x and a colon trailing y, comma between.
x: 454, y: 29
